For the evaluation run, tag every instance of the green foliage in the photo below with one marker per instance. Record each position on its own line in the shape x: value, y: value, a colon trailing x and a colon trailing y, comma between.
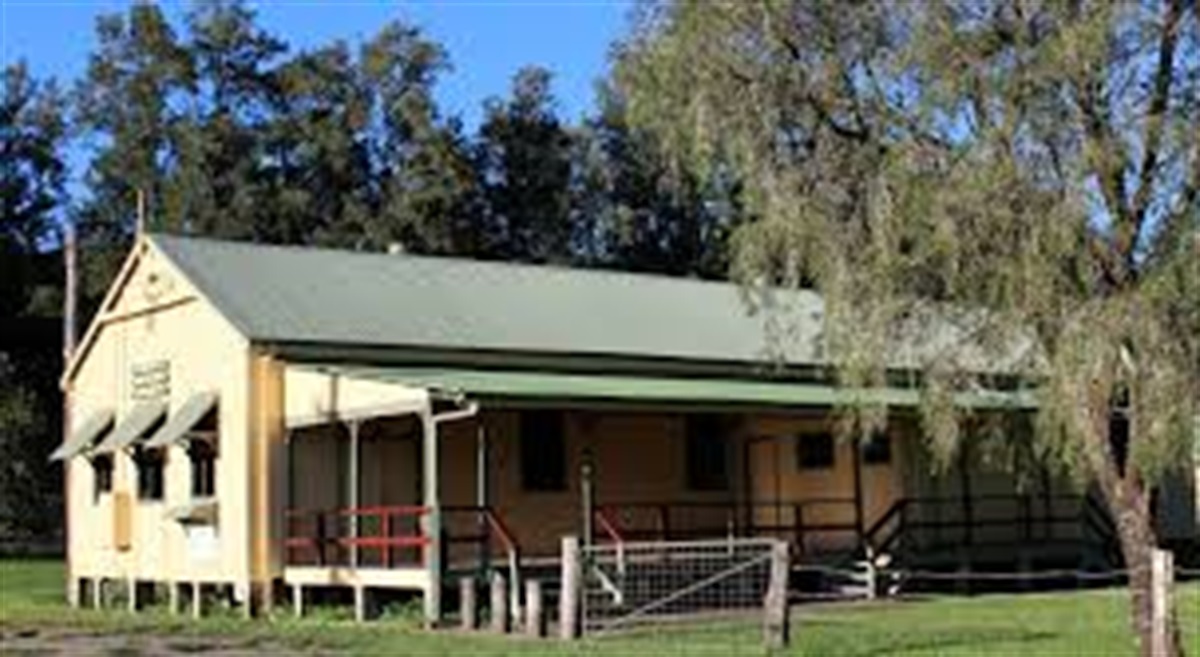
x: 1010, y: 181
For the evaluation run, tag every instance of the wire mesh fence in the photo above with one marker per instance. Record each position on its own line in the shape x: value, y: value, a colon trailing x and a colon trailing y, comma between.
x: 632, y: 584
x: 706, y: 597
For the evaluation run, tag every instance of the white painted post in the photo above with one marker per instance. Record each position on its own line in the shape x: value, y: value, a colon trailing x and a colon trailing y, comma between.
x: 1162, y: 577
x: 499, y: 619
x: 468, y: 608
x: 569, y: 600
x: 432, y: 520
x: 535, y: 617
x: 197, y: 600
x: 353, y: 493
x: 98, y: 593
x: 131, y: 594
x: 298, y: 600
x: 173, y: 597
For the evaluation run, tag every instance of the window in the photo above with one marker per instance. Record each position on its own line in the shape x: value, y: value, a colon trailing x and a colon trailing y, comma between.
x: 102, y: 475
x: 543, y: 451
x: 877, y: 450
x: 203, y: 455
x: 707, y: 453
x: 814, y: 451
x: 150, y: 464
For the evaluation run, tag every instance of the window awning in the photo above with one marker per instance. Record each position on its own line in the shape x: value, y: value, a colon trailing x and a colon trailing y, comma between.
x: 134, y: 427
x: 86, y: 435
x: 552, y: 385
x: 183, y: 420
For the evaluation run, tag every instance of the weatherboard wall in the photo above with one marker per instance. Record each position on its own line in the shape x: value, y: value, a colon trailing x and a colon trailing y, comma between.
x: 155, y: 318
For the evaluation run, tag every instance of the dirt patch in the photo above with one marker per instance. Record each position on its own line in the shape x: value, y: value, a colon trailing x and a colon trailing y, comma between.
x: 91, y: 644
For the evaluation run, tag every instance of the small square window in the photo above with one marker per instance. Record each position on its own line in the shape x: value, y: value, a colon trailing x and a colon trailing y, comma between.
x: 877, y: 450
x: 543, y: 451
x: 150, y: 466
x: 102, y: 475
x: 814, y: 451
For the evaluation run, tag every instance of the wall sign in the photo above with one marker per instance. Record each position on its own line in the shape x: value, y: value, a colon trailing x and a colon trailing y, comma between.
x: 150, y: 381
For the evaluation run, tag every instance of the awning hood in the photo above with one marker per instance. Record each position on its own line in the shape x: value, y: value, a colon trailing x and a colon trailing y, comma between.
x: 184, y: 420
x: 134, y: 427
x: 86, y: 435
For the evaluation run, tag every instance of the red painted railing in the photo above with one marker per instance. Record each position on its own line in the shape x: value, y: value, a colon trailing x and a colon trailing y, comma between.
x: 362, y: 536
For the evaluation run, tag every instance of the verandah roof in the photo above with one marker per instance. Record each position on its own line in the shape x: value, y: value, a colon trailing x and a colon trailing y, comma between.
x: 547, y: 386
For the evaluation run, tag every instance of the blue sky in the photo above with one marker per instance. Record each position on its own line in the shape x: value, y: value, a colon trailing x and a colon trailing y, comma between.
x: 488, y: 40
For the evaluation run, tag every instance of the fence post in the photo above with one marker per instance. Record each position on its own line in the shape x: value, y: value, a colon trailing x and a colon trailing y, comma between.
x: 1162, y: 577
x: 535, y: 618
x: 570, y: 598
x: 468, y: 610
x: 775, y: 612
x: 499, y: 605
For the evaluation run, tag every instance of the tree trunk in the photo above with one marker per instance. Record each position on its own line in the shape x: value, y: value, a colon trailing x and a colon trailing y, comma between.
x: 1138, y: 542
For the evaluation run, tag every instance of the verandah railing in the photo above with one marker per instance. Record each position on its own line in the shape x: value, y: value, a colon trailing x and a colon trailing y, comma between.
x: 380, y: 536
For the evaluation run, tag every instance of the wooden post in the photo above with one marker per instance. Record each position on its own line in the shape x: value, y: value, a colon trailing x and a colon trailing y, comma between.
x: 298, y: 600
x: 1162, y: 577
x: 98, y: 593
x: 535, y: 618
x: 175, y: 600
x: 131, y: 594
x: 499, y: 620
x: 569, y: 600
x: 468, y: 610
x: 360, y: 604
x: 776, y: 632
x: 197, y: 600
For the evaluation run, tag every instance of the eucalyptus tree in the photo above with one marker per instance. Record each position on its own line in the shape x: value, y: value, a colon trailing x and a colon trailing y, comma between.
x: 1016, y: 181
x: 523, y: 159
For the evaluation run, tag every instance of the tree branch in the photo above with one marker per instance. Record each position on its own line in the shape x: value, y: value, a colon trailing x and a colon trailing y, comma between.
x: 1152, y: 141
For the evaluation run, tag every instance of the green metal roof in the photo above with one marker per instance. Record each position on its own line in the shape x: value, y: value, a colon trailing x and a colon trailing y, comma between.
x: 311, y: 295
x: 85, y: 436
x: 599, y: 387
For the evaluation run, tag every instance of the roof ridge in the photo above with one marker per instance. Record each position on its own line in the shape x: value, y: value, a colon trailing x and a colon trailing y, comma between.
x: 598, y: 272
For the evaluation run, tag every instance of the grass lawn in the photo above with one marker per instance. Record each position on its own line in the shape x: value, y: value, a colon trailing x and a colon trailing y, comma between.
x: 34, y: 620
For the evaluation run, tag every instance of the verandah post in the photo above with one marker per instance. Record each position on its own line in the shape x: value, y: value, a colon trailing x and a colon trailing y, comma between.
x: 431, y: 525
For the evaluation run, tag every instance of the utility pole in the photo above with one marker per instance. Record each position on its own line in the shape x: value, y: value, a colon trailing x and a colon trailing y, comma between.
x: 70, y: 292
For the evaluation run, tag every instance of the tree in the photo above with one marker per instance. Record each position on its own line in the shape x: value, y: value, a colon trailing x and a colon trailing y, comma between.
x: 32, y: 130
x: 1021, y: 176
x: 133, y: 92
x: 213, y: 180
x: 31, y: 184
x: 632, y: 210
x: 524, y: 160
x: 428, y: 186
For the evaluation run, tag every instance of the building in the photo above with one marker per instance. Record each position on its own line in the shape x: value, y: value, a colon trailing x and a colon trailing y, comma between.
x: 257, y: 419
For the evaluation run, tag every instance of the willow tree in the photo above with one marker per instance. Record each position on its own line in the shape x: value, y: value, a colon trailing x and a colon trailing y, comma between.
x: 1013, y: 183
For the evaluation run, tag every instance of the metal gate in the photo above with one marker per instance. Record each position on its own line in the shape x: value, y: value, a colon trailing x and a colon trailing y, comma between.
x: 636, y: 583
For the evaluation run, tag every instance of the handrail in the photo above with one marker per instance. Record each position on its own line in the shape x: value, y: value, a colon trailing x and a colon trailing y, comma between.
x: 608, y: 525
x: 508, y: 543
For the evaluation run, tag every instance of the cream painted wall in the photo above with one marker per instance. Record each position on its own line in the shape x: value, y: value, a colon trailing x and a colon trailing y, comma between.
x: 157, y: 315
